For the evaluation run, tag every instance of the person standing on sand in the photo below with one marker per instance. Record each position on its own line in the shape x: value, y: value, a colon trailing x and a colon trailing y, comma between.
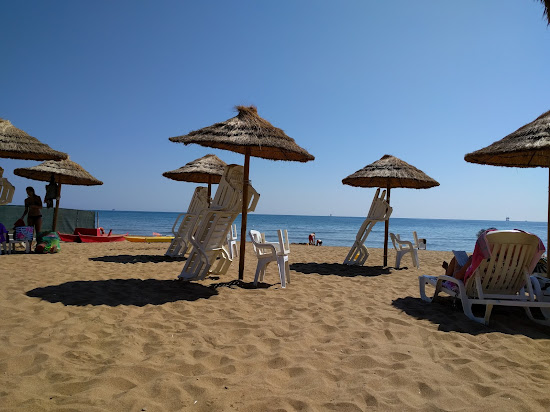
x: 312, y: 238
x: 33, y: 207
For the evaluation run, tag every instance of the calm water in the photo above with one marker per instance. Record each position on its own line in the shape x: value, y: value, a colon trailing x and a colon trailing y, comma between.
x: 441, y: 234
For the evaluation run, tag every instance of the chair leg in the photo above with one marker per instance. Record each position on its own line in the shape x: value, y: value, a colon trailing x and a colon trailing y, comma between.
x: 260, y: 271
x: 282, y: 270
x: 415, y: 259
x: 398, y: 259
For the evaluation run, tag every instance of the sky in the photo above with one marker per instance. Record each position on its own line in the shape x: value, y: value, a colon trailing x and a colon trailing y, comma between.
x: 108, y: 82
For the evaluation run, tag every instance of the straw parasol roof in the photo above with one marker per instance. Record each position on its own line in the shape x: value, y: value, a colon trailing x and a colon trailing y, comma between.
x: 546, y: 4
x: 16, y: 144
x: 251, y: 135
x: 65, y: 172
x: 207, y: 169
x: 390, y: 172
x: 249, y: 131
x: 529, y: 146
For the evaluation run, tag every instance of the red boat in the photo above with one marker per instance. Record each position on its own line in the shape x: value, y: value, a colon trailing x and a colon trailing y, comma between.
x: 90, y: 235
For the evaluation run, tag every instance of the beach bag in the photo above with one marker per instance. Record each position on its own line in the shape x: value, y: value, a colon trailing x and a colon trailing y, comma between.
x: 23, y: 233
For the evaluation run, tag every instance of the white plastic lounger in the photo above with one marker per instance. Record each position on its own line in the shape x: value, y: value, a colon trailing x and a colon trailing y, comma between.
x: 180, y: 245
x: 503, y: 279
x: 208, y: 235
x: 268, y: 252
x: 379, y: 211
x: 232, y: 242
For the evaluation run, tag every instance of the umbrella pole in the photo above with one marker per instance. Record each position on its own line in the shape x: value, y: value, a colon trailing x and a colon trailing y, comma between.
x: 386, y: 230
x: 209, y: 189
x: 54, y: 224
x: 244, y: 213
x: 548, y: 227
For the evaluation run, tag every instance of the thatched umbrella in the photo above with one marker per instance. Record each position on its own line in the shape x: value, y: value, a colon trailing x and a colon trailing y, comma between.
x: 390, y: 172
x: 529, y: 146
x: 251, y: 135
x: 64, y: 172
x: 16, y: 144
x: 208, y: 169
x: 546, y: 4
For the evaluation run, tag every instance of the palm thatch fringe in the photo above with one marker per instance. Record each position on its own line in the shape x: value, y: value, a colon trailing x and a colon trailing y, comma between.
x: 65, y: 172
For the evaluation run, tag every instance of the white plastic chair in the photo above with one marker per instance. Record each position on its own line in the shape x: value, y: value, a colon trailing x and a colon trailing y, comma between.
x: 379, y: 211
x: 180, y: 245
x: 419, y: 244
x: 268, y: 252
x: 503, y: 279
x: 12, y: 242
x: 209, y: 230
x: 232, y: 246
x: 402, y: 247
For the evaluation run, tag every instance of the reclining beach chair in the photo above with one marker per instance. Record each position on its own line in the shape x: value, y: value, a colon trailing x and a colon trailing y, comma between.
x: 402, y: 247
x: 232, y: 246
x: 180, y: 245
x: 268, y: 252
x: 208, y: 234
x: 503, y: 279
x: 379, y: 211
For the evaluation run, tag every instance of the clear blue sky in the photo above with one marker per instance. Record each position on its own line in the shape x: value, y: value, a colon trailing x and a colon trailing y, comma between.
x: 427, y: 81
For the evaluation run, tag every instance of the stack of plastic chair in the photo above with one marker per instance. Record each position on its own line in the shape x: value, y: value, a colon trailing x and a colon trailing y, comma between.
x: 208, y: 234
x: 380, y: 211
x: 268, y: 252
x: 180, y: 245
x: 6, y: 190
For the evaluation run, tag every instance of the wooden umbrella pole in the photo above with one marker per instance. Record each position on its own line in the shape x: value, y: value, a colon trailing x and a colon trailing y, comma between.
x: 209, y: 189
x: 386, y: 230
x: 548, y: 227
x: 54, y: 225
x: 244, y: 213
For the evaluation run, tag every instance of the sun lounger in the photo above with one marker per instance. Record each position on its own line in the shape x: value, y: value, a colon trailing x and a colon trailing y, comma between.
x: 503, y: 279
x: 180, y: 245
x: 208, y: 234
x: 379, y: 211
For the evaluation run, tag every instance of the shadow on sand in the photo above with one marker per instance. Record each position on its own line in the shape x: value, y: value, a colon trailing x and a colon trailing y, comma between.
x: 239, y: 284
x: 448, y: 314
x: 138, y: 259
x: 339, y: 269
x: 115, y: 292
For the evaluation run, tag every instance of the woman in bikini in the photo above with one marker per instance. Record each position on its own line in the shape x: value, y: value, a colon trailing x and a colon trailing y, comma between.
x: 33, y: 207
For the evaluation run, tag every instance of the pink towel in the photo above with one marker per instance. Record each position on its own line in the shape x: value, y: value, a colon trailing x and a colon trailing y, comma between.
x: 482, y: 251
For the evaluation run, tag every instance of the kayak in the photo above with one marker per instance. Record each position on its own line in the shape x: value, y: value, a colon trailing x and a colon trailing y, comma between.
x: 149, y: 239
x: 101, y: 238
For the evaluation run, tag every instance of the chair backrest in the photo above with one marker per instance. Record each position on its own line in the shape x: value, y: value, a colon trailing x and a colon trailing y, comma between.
x: 379, y: 209
x: 256, y: 238
x: 394, y: 240
x: 199, y: 200
x: 504, y: 273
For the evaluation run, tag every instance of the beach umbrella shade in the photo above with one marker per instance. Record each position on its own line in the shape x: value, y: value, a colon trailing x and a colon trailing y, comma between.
x: 64, y: 172
x: 251, y: 135
x: 207, y: 169
x: 16, y: 144
x: 389, y: 172
x: 529, y: 146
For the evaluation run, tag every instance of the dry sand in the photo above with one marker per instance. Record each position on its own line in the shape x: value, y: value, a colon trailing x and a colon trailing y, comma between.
x: 106, y: 327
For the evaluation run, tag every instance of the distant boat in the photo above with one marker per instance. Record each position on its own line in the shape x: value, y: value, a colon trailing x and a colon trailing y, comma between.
x: 507, y: 219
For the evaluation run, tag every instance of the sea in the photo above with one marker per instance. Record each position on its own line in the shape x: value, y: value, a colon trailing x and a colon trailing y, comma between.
x: 440, y: 234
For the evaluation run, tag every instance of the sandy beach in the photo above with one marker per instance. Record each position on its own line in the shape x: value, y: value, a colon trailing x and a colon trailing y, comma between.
x: 106, y: 327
